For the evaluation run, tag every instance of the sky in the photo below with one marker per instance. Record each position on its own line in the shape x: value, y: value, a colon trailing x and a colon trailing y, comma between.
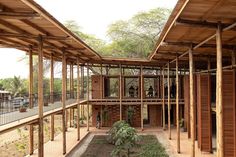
x: 94, y: 16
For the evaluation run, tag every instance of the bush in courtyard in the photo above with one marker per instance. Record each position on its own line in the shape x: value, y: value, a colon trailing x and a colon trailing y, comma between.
x: 123, y: 137
x: 113, y: 131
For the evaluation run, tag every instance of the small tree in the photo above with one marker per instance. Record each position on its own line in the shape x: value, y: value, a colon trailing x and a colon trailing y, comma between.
x: 123, y: 137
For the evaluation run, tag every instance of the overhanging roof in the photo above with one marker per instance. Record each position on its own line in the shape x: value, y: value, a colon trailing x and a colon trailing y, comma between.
x: 22, y: 21
x: 194, y: 22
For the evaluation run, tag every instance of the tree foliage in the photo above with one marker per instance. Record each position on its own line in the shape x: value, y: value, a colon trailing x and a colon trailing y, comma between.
x: 135, y: 37
x: 123, y: 137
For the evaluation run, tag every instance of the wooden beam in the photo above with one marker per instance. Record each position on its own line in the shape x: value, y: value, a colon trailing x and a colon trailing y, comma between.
x: 142, y: 86
x: 120, y: 90
x: 198, y: 24
x: 163, y: 99
x: 40, y: 97
x: 87, y: 97
x: 219, y: 97
x: 177, y: 104
x: 188, y: 44
x: 169, y: 105
x: 19, y: 15
x: 78, y: 100
x: 64, y: 73
x: 192, y: 117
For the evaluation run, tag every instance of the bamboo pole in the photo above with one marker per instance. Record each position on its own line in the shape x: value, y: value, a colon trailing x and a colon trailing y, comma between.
x: 163, y: 99
x: 64, y: 73
x: 51, y: 78
x: 192, y: 117
x: 120, y: 92
x: 82, y: 89
x: 40, y: 97
x: 31, y: 128
x: 219, y: 101
x: 101, y: 96
x: 177, y: 104
x: 209, y: 103
x: 71, y: 94
x: 87, y: 97
x: 52, y: 131
x: 168, y: 79
x: 141, y: 77
x: 78, y: 100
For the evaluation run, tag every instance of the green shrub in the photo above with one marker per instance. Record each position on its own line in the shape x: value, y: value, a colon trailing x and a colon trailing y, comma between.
x: 123, y: 137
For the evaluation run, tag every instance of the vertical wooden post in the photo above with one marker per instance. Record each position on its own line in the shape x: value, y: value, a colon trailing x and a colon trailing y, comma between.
x: 209, y: 103
x: 87, y: 97
x: 64, y: 73
x: 31, y: 79
x: 101, y: 96
x: 78, y: 100
x: 234, y: 101
x: 31, y: 127
x: 72, y: 80
x: 51, y: 78
x: 141, y: 77
x: 168, y: 80
x: 219, y: 105
x: 163, y: 99
x: 120, y: 92
x: 192, y: 117
x: 52, y: 94
x: 177, y: 104
x: 40, y: 97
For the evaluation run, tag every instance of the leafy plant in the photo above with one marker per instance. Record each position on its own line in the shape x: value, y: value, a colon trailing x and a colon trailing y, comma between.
x: 123, y: 137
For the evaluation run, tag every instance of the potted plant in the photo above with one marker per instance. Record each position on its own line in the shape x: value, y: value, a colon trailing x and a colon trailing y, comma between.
x: 22, y: 108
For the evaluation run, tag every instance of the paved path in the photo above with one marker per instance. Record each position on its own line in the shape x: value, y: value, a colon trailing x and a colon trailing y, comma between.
x: 15, y: 116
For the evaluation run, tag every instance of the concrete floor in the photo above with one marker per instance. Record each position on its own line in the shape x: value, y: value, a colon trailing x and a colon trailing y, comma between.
x: 54, y: 148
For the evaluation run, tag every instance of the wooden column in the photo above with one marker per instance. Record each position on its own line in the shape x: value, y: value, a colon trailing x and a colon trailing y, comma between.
x: 168, y: 79
x: 177, y: 104
x: 192, y: 117
x: 40, y: 97
x: 71, y: 93
x: 234, y: 100
x: 51, y: 78
x: 31, y: 103
x: 72, y: 80
x: 101, y: 90
x: 87, y: 97
x: 78, y: 99
x: 52, y: 94
x: 141, y: 77
x: 120, y: 92
x: 219, y: 105
x: 82, y: 88
x: 163, y: 99
x: 64, y: 73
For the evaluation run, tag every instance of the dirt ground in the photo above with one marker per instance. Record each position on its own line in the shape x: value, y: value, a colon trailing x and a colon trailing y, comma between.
x: 99, y: 147
x: 16, y: 143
